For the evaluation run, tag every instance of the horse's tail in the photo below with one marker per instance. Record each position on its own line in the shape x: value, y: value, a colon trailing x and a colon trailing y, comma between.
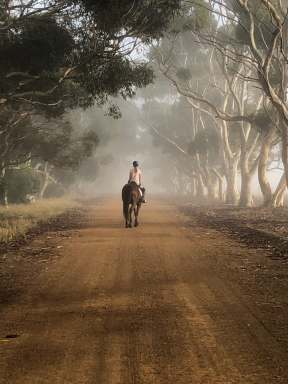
x: 125, y: 210
x: 126, y: 197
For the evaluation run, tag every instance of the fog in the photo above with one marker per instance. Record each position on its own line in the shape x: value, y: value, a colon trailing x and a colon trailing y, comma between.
x: 187, y: 98
x: 121, y: 141
x: 158, y: 132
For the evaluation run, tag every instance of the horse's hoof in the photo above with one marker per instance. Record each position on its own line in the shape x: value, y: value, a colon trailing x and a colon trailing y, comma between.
x: 136, y: 224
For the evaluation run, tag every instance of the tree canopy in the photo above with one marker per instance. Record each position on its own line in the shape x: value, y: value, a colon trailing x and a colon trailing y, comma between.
x: 75, y: 52
x: 56, y: 56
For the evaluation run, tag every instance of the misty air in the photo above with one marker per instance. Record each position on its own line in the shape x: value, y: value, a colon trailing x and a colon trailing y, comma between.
x: 143, y: 191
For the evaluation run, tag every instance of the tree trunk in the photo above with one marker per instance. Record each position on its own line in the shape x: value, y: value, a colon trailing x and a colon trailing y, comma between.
x: 4, y: 192
x: 220, y: 189
x: 4, y: 195
x: 246, y: 177
x: 220, y: 184
x: 285, y: 150
x: 200, y: 189
x: 193, y: 187
x: 232, y: 194
x: 278, y: 195
x: 280, y: 198
x: 246, y: 172
x: 212, y: 186
x: 246, y: 191
x: 45, y: 181
x: 262, y: 167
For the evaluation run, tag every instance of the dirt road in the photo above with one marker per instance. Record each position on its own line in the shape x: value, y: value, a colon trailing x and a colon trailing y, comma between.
x: 163, y: 303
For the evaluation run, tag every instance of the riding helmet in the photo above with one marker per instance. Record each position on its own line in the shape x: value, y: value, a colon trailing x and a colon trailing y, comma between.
x: 135, y: 163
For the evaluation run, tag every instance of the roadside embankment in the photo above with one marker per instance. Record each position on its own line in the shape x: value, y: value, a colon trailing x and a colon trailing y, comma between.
x: 259, y: 228
x: 19, y: 220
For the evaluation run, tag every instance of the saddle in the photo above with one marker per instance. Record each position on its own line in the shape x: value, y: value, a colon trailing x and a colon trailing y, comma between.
x: 140, y: 189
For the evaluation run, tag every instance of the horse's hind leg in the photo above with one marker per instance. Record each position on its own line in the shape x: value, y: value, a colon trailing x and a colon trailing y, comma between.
x: 137, y: 209
x: 136, y: 216
x: 126, y: 213
x: 130, y: 217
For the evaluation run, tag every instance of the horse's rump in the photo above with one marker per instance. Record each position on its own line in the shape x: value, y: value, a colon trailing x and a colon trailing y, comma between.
x: 126, y: 192
x: 131, y: 196
x: 130, y: 192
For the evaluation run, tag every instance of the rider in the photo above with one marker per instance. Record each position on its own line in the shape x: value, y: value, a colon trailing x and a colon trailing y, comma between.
x: 135, y: 175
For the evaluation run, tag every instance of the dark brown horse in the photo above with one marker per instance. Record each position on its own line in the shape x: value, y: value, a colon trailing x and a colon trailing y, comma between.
x: 132, y: 199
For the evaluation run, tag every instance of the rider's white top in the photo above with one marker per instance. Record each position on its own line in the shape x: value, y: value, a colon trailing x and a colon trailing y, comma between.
x: 135, y: 175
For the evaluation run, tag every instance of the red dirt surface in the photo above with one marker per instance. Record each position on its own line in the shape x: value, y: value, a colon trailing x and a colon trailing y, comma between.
x: 172, y: 301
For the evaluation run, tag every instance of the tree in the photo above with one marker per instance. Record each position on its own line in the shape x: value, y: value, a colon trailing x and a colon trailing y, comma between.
x: 43, y: 145
x: 56, y: 146
x: 73, y: 53
x: 72, y: 47
x: 260, y: 29
x: 215, y: 101
x: 233, y: 70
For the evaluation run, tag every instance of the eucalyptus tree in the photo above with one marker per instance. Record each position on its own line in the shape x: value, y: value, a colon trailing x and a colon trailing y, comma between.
x: 169, y: 121
x: 216, y: 90
x: 44, y: 147
x: 190, y: 141
x: 259, y: 27
x: 228, y: 39
x: 76, y: 44
x: 60, y: 55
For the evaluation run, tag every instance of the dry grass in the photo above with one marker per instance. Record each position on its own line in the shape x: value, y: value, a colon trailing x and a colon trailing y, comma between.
x: 17, y: 219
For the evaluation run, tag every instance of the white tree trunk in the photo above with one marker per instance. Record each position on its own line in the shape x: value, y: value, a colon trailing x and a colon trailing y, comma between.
x: 262, y: 167
x: 45, y: 182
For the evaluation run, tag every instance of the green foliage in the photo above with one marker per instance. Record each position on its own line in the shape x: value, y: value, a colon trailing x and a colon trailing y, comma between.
x: 195, y: 17
x: 201, y: 17
x: 95, y: 38
x: 264, y: 27
x: 143, y: 18
x: 206, y: 142
x: 58, y: 144
x: 42, y: 45
x: 71, y: 55
x: 15, y: 129
x: 117, y: 76
x: 265, y: 119
x: 114, y: 111
x: 19, y: 183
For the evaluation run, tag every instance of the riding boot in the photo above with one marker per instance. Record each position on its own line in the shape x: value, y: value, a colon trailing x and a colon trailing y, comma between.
x: 143, y: 196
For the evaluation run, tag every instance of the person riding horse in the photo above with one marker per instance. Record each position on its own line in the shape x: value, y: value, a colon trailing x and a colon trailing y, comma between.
x: 133, y: 195
x: 135, y: 175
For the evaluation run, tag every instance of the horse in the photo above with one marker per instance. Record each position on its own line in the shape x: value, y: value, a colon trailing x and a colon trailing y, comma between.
x: 132, y: 198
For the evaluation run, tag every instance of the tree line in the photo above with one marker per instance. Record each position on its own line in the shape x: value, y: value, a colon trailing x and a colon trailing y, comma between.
x: 58, y: 56
x: 227, y: 59
x: 226, y: 118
